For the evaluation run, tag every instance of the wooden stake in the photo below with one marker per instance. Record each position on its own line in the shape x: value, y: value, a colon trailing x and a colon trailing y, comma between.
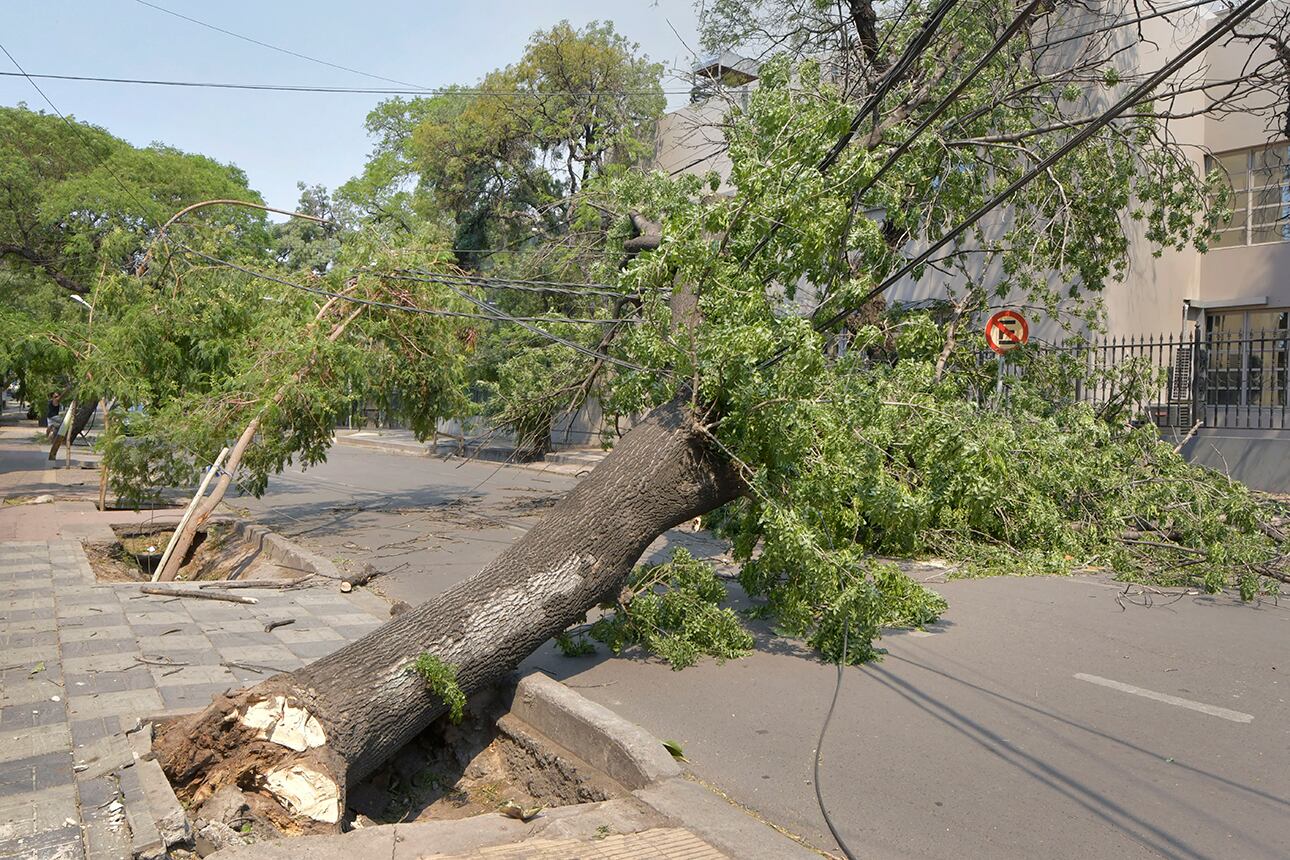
x: 188, y: 514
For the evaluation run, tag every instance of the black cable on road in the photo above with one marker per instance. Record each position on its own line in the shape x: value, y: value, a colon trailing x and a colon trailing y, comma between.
x: 819, y: 746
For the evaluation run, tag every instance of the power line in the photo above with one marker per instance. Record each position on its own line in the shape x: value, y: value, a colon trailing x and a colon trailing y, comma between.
x: 496, y: 315
x: 1138, y: 94
x: 309, y: 88
x: 278, y: 48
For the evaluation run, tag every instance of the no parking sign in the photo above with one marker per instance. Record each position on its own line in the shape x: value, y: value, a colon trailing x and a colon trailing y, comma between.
x: 1005, y: 331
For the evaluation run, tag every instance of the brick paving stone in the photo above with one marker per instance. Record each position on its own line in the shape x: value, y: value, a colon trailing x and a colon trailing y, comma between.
x: 38, y: 740
x: 117, y: 662
x: 134, y: 678
x: 236, y: 625
x: 34, y: 625
x: 97, y: 647
x: 277, y: 657
x: 30, y: 655
x: 205, y: 657
x: 310, y: 651
x: 192, y: 697
x: 113, y: 617
x: 86, y: 731
x: 84, y: 633
x: 174, y: 642
x: 188, y: 675
x: 133, y: 702
x: 290, y: 635
x: 33, y: 688
x: 31, y: 715
x: 350, y: 632
x: 235, y: 640
x: 35, y: 773
x: 26, y: 639
x: 59, y: 843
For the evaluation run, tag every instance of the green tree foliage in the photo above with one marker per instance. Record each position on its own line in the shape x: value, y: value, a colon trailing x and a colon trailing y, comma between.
x: 502, y: 159
x: 878, y: 450
x: 80, y: 204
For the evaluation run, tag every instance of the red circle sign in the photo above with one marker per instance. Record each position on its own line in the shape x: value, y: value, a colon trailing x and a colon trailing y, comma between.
x: 1006, y: 331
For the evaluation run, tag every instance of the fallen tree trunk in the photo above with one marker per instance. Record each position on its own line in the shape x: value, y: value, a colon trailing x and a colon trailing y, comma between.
x: 303, y: 737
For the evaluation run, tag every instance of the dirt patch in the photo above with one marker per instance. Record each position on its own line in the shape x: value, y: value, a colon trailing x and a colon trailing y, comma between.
x: 488, y: 763
x: 218, y: 552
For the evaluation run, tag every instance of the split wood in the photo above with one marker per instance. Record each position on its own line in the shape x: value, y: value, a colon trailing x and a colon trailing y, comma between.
x: 200, y: 595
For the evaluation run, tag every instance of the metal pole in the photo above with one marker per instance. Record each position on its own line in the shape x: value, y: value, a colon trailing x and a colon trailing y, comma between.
x: 998, y: 383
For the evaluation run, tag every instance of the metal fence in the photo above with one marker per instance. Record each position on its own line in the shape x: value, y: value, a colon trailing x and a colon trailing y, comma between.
x: 1229, y: 380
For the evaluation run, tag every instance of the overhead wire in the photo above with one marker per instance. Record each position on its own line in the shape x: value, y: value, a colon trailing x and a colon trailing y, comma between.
x: 473, y: 92
x: 278, y: 48
x: 1136, y: 95
x: 495, y: 315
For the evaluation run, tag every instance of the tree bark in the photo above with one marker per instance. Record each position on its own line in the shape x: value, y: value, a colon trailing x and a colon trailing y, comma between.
x: 303, y: 737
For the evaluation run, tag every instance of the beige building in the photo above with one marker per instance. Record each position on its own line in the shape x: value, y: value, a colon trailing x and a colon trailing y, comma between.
x: 1225, y: 312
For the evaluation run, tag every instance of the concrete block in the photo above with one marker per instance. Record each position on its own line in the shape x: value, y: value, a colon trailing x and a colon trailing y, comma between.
x: 620, y: 749
x: 716, y: 820
x: 167, y: 815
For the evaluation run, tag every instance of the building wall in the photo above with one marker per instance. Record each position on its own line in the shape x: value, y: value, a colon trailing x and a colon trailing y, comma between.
x: 1153, y: 297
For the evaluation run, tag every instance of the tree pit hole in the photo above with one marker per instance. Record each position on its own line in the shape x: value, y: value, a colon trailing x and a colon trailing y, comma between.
x: 218, y: 552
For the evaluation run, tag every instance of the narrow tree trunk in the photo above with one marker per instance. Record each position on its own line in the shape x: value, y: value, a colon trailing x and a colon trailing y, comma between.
x: 303, y: 737
x: 206, y: 507
x: 188, y: 530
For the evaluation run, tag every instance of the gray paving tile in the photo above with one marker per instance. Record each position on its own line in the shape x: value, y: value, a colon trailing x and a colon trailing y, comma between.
x: 59, y: 843
x: 132, y: 702
x: 35, y: 773
x: 34, y: 741
x: 134, y: 678
x: 97, y: 647
x: 31, y: 715
x: 193, y: 697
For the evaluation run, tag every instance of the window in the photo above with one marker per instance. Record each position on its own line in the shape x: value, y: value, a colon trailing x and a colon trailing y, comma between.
x: 1259, y: 182
x: 1248, y: 358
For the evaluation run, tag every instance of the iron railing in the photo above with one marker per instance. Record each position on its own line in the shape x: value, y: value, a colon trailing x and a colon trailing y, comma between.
x: 1228, y: 380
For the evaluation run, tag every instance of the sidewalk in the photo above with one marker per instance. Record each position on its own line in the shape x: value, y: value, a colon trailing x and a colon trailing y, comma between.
x: 84, y: 661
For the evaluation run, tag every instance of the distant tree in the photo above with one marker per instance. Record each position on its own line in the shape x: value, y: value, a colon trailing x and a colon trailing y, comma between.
x: 503, y: 159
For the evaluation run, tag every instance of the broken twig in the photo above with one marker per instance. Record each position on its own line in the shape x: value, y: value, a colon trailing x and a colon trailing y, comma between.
x: 200, y: 595
x: 281, y: 622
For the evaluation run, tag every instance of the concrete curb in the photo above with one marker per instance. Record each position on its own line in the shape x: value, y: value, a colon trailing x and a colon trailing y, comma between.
x: 402, y: 449
x: 287, y: 553
x: 663, y: 797
x: 621, y: 750
x: 639, y: 761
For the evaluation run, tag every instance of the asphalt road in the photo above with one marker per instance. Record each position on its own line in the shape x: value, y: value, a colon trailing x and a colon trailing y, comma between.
x: 1042, y: 718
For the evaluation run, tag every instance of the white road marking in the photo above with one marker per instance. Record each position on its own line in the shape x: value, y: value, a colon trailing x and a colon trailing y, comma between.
x: 1212, y: 710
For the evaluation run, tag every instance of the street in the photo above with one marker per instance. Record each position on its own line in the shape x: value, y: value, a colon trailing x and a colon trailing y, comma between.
x: 1043, y: 717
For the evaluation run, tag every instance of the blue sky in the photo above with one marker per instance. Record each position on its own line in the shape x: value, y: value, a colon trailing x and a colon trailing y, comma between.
x: 280, y: 138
